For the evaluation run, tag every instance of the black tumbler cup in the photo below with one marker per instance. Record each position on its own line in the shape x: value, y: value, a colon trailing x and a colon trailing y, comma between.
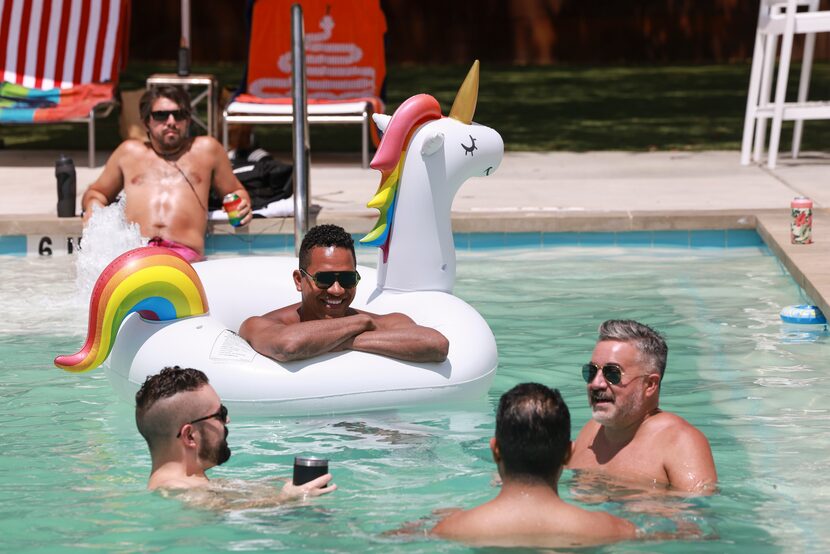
x: 183, y: 62
x: 65, y: 175
x: 308, y: 469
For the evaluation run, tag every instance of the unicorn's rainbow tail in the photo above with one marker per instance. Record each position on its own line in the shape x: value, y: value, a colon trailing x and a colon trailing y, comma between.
x: 155, y: 282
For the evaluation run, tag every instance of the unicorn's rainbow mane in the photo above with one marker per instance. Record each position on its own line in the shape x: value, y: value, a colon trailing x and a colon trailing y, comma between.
x: 155, y: 282
x: 389, y: 160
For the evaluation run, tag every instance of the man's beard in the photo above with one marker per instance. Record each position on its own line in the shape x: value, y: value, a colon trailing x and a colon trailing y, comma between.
x: 171, y: 144
x: 217, y: 455
x: 622, y: 410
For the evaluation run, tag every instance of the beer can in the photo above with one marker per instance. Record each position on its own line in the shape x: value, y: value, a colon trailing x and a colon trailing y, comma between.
x: 230, y: 203
x: 801, y: 226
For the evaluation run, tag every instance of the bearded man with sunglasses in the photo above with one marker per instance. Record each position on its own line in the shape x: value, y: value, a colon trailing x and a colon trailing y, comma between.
x: 167, y: 178
x: 323, y: 320
x: 186, y: 428
x: 629, y: 436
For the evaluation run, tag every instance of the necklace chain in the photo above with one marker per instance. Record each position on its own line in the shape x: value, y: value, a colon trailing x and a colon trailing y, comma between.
x: 167, y: 159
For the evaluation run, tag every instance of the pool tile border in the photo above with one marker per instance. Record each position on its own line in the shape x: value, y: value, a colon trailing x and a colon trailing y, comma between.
x: 722, y: 238
x: 13, y: 245
x: 249, y: 243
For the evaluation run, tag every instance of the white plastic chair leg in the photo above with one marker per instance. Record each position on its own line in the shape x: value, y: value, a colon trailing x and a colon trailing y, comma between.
x: 91, y: 138
x: 752, y: 98
x: 365, y: 138
x: 781, y: 85
x: 770, y: 50
x: 803, y: 88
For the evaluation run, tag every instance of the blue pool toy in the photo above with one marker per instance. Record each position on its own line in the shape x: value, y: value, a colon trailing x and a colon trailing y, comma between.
x: 803, y: 314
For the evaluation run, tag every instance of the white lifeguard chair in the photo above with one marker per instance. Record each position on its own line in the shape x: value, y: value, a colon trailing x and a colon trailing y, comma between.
x: 781, y: 18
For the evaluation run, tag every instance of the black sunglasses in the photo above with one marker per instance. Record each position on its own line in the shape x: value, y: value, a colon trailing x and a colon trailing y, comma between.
x: 325, y: 279
x: 162, y: 115
x: 221, y: 415
x: 611, y: 372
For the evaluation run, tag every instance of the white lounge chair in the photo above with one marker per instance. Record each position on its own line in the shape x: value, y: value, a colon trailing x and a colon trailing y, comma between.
x: 345, y: 65
x: 60, y: 61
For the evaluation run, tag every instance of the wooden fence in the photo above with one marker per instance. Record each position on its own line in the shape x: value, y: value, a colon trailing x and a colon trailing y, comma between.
x: 502, y: 31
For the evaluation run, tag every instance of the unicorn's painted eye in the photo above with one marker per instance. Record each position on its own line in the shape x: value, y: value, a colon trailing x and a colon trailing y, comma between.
x: 469, y: 149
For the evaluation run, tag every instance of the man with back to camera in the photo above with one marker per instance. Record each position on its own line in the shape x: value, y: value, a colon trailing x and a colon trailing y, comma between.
x: 167, y: 179
x: 184, y: 423
x: 532, y: 443
x: 323, y: 320
x: 629, y: 435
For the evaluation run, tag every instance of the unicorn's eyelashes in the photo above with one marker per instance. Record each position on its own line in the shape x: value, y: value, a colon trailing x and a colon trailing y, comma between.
x: 469, y: 149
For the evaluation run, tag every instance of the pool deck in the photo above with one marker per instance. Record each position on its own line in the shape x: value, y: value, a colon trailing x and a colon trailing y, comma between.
x: 530, y: 192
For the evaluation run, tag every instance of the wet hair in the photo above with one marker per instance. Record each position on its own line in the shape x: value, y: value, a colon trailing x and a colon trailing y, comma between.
x: 166, y: 383
x: 325, y: 235
x: 176, y: 94
x: 533, y: 431
x: 649, y: 343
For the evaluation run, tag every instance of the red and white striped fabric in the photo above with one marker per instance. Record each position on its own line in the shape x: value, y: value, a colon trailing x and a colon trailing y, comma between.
x: 48, y: 44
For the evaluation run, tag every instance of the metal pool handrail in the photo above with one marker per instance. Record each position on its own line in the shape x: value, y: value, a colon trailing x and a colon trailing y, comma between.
x: 299, y: 126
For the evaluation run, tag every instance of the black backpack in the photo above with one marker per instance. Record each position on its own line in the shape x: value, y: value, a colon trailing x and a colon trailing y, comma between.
x: 266, y: 179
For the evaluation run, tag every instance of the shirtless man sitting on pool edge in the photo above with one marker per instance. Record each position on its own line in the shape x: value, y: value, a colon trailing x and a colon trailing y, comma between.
x: 167, y: 178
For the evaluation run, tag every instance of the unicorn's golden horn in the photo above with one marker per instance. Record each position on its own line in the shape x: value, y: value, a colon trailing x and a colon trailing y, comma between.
x: 464, y: 105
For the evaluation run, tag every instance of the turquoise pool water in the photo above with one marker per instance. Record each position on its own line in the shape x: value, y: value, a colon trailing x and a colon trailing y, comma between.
x: 73, y: 472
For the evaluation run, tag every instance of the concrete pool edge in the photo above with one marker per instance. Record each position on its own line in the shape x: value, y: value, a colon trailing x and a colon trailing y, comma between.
x: 514, y: 221
x: 808, y: 264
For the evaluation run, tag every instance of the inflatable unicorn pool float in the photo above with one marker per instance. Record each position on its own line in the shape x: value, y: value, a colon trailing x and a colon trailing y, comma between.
x: 151, y: 309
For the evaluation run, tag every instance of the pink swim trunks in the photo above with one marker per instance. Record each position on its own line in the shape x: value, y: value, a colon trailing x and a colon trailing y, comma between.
x: 184, y: 251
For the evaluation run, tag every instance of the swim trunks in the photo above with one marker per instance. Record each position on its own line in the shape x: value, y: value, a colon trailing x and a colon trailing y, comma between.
x: 184, y: 251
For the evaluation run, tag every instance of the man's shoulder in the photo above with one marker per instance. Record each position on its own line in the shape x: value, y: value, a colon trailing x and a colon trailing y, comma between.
x: 593, y: 521
x: 207, y: 152
x: 175, y: 483
x: 129, y: 155
x: 131, y: 147
x: 488, y: 520
x: 394, y: 319
x: 617, y: 528
x: 205, y: 143
x: 687, y: 454
x: 670, y: 424
x: 462, y: 522
x: 667, y: 428
x: 287, y: 315
x: 588, y: 431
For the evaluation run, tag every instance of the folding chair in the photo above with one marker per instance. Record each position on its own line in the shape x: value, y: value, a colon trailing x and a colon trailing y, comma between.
x: 60, y: 60
x: 781, y: 18
x: 345, y: 65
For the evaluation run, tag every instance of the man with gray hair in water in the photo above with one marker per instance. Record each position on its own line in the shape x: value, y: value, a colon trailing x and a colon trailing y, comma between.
x: 629, y: 436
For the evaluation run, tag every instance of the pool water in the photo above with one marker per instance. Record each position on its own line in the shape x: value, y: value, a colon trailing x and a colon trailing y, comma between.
x: 74, y: 468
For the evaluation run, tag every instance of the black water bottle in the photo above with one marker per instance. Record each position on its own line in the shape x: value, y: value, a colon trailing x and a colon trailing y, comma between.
x: 65, y: 174
x: 183, y: 65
